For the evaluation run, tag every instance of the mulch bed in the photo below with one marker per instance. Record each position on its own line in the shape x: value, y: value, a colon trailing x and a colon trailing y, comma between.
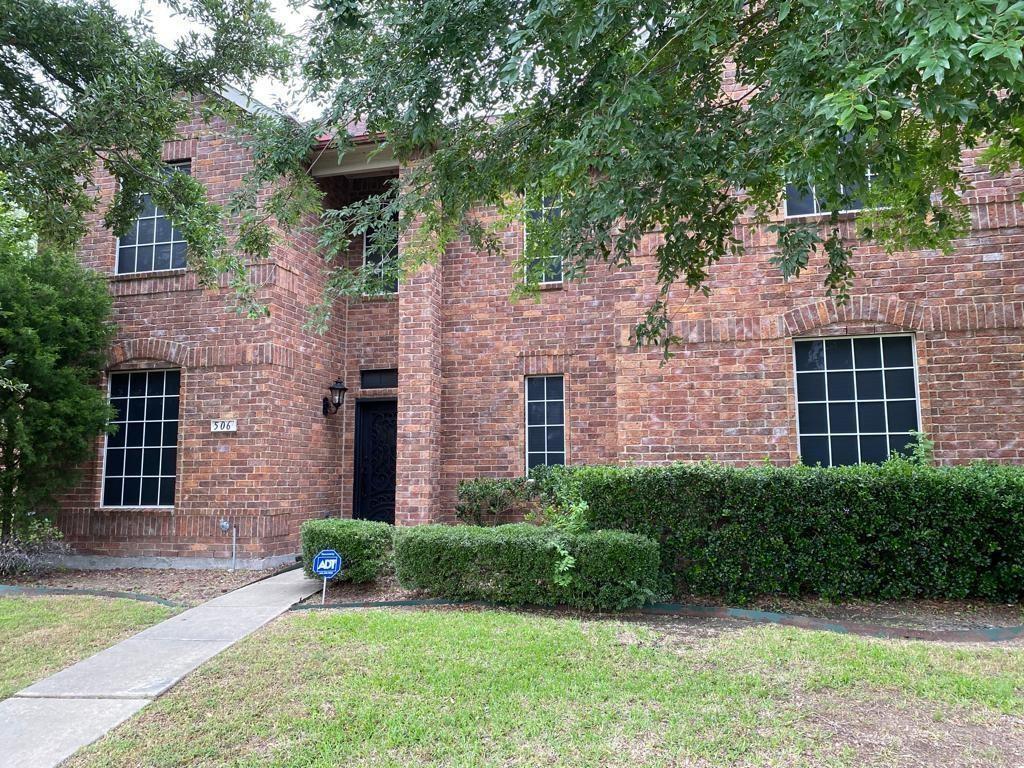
x: 914, y: 614
x: 191, y: 587
x: 188, y: 587
x: 932, y: 615
x: 384, y: 589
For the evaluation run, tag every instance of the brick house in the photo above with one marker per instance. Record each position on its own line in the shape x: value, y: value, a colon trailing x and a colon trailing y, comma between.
x: 447, y: 379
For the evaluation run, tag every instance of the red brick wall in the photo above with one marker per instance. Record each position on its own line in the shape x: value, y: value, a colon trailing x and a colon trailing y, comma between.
x: 462, y: 350
x: 284, y: 464
x: 421, y: 395
x: 727, y: 393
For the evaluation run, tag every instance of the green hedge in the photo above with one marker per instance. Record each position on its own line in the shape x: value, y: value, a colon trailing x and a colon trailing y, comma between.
x: 897, y: 530
x: 365, y: 547
x: 528, y: 565
x: 493, y: 501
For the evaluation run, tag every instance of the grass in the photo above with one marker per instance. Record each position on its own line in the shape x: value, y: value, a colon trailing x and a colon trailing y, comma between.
x: 40, y: 635
x: 409, y: 688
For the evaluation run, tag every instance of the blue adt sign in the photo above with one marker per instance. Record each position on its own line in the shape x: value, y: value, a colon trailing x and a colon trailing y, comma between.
x: 327, y: 564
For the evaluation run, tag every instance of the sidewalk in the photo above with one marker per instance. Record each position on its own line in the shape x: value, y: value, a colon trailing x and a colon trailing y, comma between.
x: 50, y: 720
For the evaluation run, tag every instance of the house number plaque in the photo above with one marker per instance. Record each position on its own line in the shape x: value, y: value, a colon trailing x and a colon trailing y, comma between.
x: 224, y: 425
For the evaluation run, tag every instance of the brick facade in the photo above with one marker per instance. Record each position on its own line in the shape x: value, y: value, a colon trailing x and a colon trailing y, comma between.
x: 463, y: 348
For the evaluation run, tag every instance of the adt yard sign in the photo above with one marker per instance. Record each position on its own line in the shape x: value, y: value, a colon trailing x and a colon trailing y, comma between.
x: 327, y: 564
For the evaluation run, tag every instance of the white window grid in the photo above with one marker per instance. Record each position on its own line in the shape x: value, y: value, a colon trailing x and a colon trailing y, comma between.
x: 123, y: 426
x: 546, y: 425
x: 817, y: 203
x: 916, y: 399
x: 554, y: 263
x: 175, y: 245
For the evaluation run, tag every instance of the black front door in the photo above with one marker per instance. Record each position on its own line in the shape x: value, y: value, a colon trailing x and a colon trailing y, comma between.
x: 376, y: 440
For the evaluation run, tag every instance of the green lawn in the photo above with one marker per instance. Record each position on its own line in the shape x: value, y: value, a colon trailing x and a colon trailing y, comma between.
x: 40, y: 635
x: 408, y: 688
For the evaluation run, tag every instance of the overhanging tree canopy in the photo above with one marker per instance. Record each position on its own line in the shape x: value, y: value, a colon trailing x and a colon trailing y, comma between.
x: 678, y: 116
x: 83, y: 87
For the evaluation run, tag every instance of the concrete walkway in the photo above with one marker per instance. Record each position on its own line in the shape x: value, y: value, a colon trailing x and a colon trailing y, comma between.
x: 50, y: 720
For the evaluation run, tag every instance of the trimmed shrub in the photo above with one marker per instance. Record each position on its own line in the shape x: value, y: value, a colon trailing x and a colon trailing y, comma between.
x: 896, y: 530
x: 492, y: 501
x: 365, y: 546
x: 522, y: 564
x: 614, y: 570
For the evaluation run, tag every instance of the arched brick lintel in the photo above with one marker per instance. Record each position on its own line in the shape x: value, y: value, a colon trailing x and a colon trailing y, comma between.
x: 163, y: 350
x: 882, y: 310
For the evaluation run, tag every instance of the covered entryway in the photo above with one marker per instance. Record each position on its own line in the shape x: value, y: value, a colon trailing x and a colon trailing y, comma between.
x: 376, y: 442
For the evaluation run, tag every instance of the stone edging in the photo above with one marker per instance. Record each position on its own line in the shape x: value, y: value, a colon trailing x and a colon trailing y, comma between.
x: 17, y: 590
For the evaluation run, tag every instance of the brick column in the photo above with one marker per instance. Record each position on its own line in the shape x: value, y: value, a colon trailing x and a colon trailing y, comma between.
x: 419, y: 397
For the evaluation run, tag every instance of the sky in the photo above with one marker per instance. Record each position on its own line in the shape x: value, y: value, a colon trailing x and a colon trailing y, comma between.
x: 168, y: 28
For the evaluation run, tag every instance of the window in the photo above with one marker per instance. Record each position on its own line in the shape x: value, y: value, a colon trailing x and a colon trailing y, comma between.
x: 141, y: 456
x: 545, y: 421
x: 380, y: 250
x: 808, y: 204
x: 856, y: 398
x: 378, y: 379
x: 541, y: 262
x: 152, y: 243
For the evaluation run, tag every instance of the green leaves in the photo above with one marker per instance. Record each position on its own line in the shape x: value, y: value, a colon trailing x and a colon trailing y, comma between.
x: 54, y: 332
x: 85, y: 93
x: 365, y: 547
x: 523, y: 564
x: 686, y: 123
x: 653, y: 119
x: 904, y: 529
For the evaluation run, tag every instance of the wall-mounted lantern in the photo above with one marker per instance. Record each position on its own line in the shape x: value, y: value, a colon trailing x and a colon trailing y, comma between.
x: 337, y: 398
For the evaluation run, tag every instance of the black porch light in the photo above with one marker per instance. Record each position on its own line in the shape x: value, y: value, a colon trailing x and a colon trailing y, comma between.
x: 334, y: 402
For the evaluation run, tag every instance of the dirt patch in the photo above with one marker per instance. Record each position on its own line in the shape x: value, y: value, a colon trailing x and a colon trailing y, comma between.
x: 684, y: 632
x: 189, y: 587
x: 886, y: 732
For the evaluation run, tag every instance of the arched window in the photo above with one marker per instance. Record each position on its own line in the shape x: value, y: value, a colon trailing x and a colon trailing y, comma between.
x: 141, y: 456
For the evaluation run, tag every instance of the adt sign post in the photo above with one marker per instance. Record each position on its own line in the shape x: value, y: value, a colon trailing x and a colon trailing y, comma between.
x: 326, y: 564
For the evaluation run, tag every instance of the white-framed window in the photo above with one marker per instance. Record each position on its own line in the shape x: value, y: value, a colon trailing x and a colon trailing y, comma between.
x: 545, y: 421
x: 140, y: 458
x: 799, y: 203
x: 546, y: 264
x: 152, y: 243
x: 381, y: 256
x: 857, y: 397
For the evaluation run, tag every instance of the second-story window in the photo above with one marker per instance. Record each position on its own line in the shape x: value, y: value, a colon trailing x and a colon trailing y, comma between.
x: 809, y: 203
x: 543, y: 261
x: 380, y: 252
x: 152, y: 243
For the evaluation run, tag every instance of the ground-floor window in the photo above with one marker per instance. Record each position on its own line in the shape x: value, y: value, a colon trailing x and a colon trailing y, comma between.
x: 140, y: 459
x: 856, y: 398
x: 545, y: 420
